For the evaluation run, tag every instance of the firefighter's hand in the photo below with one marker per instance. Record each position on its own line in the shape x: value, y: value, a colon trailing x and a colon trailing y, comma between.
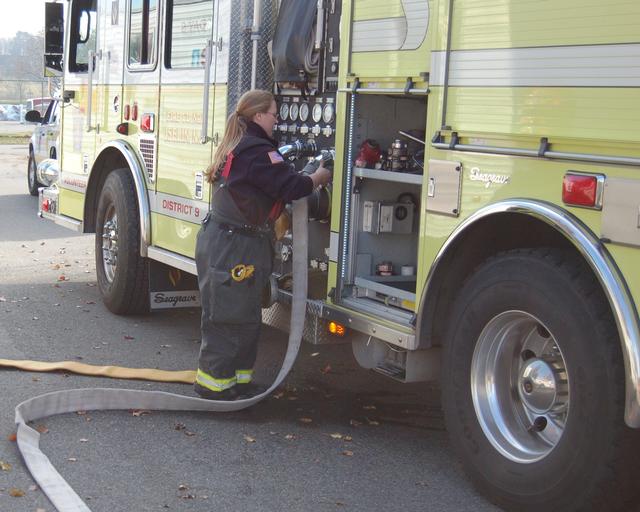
x: 322, y: 176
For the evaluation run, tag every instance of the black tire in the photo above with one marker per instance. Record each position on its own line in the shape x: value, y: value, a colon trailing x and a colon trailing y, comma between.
x: 32, y: 178
x: 122, y: 273
x: 578, y: 455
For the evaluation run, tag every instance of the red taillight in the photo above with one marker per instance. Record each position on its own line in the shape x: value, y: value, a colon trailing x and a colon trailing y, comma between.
x: 134, y: 112
x: 123, y: 128
x: 127, y: 112
x: 147, y: 122
x: 582, y: 190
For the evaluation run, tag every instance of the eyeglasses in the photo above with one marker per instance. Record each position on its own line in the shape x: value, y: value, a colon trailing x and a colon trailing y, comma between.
x: 274, y: 114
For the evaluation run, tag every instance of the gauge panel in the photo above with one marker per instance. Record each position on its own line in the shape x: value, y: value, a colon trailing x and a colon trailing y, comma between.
x: 293, y: 111
x: 327, y: 113
x: 284, y: 111
x: 303, y: 115
x: 316, y: 113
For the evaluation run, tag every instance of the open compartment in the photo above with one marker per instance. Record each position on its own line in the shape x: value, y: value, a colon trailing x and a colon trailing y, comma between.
x: 385, y: 202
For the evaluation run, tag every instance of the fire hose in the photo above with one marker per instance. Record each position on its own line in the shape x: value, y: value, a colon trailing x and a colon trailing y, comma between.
x: 59, y: 492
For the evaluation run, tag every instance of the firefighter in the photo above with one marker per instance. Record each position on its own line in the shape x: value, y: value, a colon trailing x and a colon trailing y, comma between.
x: 234, y: 248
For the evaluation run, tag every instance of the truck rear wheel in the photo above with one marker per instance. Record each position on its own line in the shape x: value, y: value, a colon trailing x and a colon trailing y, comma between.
x: 533, y: 387
x: 121, y: 272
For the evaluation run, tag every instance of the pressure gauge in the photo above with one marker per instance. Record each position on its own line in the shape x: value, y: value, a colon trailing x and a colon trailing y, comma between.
x: 304, y: 112
x: 327, y: 113
x: 293, y: 111
x: 284, y: 111
x: 316, y: 113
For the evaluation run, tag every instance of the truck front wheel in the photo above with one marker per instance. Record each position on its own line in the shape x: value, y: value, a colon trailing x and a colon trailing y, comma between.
x: 533, y: 387
x: 121, y: 272
x: 32, y: 177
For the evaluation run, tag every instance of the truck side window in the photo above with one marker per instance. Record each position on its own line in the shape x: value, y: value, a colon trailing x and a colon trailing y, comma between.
x: 83, y: 35
x: 143, y: 33
x: 189, y: 27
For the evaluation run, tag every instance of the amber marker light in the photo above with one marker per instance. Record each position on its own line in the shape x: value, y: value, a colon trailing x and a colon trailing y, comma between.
x: 336, y: 329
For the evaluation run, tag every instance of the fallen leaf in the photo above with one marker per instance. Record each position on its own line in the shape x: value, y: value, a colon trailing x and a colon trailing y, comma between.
x: 139, y: 412
x: 336, y: 436
x: 42, y: 429
x: 12, y: 437
x: 16, y: 493
x: 81, y: 413
x: 348, y: 439
x: 33, y: 487
x: 326, y: 369
x: 292, y: 398
x: 249, y: 439
x: 183, y: 487
x: 127, y: 337
x: 290, y: 436
x: 315, y: 354
x: 83, y: 440
x: 369, y: 407
x: 355, y: 423
x: 347, y: 453
x: 189, y: 434
x: 72, y: 459
x: 165, y: 346
x: 56, y: 266
x: 5, y: 466
x: 63, y: 278
x: 180, y: 426
x: 188, y: 497
x: 278, y: 395
x: 305, y: 420
x: 90, y: 302
x: 373, y: 422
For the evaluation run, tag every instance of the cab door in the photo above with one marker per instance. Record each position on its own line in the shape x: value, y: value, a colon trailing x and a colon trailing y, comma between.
x: 79, y: 96
x: 185, y: 138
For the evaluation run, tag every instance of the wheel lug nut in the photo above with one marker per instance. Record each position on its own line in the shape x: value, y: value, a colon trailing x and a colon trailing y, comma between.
x: 528, y: 386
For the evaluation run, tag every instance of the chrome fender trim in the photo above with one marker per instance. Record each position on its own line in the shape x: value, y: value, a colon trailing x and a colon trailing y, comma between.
x: 603, y: 266
x: 137, y: 168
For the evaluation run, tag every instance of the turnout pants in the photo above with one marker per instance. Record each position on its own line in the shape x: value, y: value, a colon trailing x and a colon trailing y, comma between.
x: 234, y: 266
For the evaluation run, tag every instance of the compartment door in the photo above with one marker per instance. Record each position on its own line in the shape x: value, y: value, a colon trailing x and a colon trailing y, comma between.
x: 185, y: 138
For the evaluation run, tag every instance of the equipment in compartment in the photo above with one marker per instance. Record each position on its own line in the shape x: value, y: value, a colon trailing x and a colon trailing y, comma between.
x: 379, y: 217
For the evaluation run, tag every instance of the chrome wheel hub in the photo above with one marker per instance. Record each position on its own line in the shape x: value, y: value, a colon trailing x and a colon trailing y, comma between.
x: 110, y: 243
x: 520, y: 386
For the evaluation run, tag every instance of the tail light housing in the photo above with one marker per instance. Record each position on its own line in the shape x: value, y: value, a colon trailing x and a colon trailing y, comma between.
x: 583, y: 189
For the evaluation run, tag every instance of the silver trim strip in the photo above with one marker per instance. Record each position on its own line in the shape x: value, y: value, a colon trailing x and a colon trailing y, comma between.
x: 138, y: 172
x: 555, y: 155
x: 386, y: 90
x: 602, y: 65
x: 604, y: 267
x: 172, y: 259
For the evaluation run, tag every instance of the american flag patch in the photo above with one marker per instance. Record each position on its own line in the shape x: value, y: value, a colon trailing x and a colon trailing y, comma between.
x: 275, y: 157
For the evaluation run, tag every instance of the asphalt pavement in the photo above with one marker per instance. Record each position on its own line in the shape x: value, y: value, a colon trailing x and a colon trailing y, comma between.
x: 335, y: 437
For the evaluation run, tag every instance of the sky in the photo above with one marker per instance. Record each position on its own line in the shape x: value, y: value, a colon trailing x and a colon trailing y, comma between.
x: 22, y: 15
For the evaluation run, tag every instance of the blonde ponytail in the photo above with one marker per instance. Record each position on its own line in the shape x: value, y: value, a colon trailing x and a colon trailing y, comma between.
x: 249, y: 104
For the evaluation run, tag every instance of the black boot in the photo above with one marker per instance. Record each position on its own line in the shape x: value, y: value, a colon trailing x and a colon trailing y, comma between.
x: 227, y: 395
x: 249, y: 390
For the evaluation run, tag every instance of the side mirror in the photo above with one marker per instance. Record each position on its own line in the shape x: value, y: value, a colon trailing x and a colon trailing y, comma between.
x: 33, y: 116
x: 53, y: 38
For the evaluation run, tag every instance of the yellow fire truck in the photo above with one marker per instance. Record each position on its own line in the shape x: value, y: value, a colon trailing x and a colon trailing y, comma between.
x: 484, y: 220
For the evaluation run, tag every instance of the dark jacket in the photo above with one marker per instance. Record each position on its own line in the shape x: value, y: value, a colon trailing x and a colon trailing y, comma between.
x: 259, y: 177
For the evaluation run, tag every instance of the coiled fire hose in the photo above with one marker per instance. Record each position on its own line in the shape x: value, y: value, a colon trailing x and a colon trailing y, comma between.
x: 63, y: 497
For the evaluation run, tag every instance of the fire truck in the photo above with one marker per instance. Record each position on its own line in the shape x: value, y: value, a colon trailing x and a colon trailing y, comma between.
x: 483, y: 223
